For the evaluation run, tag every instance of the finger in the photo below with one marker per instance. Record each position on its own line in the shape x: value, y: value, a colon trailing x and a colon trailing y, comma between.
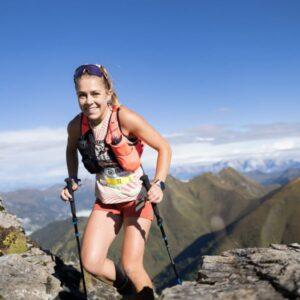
x: 151, y: 192
x: 153, y: 198
x: 67, y: 193
x: 63, y: 197
x: 159, y: 200
x: 153, y: 201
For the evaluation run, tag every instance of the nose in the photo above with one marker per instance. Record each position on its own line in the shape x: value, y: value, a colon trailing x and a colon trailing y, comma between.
x: 89, y: 99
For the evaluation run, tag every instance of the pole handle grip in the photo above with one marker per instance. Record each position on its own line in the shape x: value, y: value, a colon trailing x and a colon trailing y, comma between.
x: 69, y: 185
x: 69, y: 181
x: 147, y: 185
x: 146, y: 182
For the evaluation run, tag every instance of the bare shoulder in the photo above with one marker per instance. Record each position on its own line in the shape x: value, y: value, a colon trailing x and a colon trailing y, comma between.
x: 130, y: 118
x: 125, y: 111
x: 137, y: 125
x: 74, y: 128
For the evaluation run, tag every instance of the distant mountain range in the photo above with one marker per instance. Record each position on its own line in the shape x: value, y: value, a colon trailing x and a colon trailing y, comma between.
x: 244, y: 166
x: 37, y: 208
x: 275, y: 178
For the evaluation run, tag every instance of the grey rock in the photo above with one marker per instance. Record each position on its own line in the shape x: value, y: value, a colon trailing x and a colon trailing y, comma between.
x: 36, y: 274
x: 28, y: 276
x: 248, y: 274
x: 7, y: 220
x: 252, y: 273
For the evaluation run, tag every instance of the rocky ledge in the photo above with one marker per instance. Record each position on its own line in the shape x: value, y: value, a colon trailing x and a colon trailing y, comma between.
x: 28, y: 272
x: 252, y: 273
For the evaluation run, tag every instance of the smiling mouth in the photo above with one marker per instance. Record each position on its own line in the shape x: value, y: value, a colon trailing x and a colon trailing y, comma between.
x: 92, y: 108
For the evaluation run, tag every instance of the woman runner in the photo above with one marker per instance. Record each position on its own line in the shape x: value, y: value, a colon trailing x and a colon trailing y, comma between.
x: 119, y: 192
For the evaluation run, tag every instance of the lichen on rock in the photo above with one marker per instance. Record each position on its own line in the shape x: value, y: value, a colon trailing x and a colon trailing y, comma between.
x: 12, y: 240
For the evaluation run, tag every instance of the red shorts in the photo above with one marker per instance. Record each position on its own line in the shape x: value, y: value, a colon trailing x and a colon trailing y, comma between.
x: 126, y: 209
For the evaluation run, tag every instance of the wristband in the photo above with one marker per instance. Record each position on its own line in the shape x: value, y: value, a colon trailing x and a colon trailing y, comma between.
x: 160, y: 183
x: 73, y: 179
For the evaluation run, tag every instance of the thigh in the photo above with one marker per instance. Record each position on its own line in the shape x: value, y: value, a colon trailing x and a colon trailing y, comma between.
x: 101, y: 229
x: 136, y: 232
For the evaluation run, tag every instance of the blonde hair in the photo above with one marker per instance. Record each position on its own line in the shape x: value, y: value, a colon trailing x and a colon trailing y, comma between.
x: 108, y: 84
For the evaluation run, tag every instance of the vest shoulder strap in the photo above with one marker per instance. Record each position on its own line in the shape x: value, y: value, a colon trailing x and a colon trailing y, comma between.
x: 113, y: 126
x: 114, y: 130
x: 85, y: 127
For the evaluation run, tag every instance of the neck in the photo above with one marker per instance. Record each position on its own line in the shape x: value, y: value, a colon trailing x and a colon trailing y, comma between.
x: 94, y: 123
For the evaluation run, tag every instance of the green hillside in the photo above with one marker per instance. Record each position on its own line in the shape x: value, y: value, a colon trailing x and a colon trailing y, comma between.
x: 273, y: 219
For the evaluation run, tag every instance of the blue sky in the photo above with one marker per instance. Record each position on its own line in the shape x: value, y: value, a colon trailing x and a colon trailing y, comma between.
x: 197, y: 61
x: 186, y: 66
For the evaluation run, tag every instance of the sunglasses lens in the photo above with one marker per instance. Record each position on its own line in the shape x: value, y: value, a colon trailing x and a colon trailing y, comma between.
x: 79, y: 71
x: 91, y: 69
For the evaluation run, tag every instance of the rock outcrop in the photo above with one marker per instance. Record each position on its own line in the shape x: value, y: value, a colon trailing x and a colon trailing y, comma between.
x: 28, y: 272
x: 252, y: 273
x: 12, y: 235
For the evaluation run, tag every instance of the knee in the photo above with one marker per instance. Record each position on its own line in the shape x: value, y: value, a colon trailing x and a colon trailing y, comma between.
x: 92, y: 264
x: 132, y: 269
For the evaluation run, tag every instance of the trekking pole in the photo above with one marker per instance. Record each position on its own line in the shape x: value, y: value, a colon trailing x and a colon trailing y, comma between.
x: 74, y: 221
x: 159, y: 220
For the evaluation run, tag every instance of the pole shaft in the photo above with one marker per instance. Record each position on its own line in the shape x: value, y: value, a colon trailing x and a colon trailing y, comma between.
x: 159, y: 220
x: 74, y: 220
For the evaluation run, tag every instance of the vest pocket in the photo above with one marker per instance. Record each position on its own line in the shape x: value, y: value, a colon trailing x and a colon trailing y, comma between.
x: 127, y: 156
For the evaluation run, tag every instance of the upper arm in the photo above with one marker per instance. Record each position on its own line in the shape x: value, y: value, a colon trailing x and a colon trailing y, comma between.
x: 73, y: 133
x: 139, y: 127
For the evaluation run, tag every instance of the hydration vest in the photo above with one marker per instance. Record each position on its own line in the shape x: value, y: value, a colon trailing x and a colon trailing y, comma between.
x: 115, y: 151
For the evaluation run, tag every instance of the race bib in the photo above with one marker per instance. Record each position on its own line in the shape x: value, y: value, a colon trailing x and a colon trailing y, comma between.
x: 115, y: 177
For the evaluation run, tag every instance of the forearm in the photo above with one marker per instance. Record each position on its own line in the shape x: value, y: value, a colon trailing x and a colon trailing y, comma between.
x: 72, y: 162
x: 163, y: 163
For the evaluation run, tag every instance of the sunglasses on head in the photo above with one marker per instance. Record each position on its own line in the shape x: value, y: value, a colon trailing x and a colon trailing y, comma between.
x: 90, y: 69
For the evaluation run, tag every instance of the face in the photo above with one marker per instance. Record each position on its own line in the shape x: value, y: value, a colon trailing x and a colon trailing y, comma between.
x: 92, y: 96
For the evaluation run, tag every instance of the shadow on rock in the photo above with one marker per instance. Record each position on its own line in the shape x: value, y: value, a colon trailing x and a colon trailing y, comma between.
x: 70, y: 279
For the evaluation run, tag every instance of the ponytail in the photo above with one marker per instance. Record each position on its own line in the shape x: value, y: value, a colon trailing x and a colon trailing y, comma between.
x: 109, y: 86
